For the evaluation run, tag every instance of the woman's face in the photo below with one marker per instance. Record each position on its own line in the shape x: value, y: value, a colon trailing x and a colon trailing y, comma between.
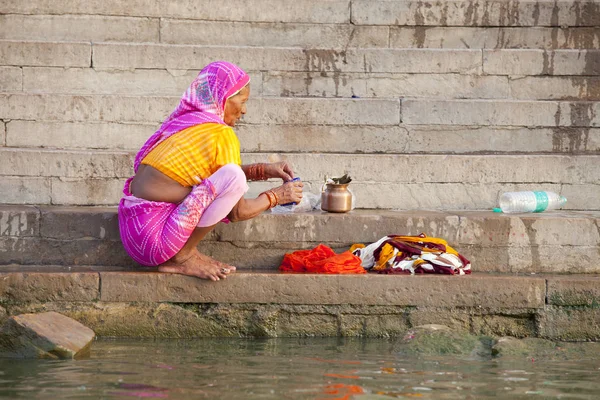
x: 235, y: 106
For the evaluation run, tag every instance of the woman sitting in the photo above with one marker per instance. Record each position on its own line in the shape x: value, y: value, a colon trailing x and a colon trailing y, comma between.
x: 188, y: 177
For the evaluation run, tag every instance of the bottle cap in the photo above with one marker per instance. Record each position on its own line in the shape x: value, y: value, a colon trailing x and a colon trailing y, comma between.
x: 497, y: 210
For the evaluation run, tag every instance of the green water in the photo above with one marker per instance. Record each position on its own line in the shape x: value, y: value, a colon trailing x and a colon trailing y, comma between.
x: 290, y: 369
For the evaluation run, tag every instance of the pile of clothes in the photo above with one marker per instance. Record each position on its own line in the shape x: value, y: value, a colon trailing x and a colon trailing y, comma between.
x: 392, y: 254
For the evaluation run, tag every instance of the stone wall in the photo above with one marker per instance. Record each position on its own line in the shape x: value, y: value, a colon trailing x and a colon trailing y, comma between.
x: 126, y: 304
x: 440, y: 105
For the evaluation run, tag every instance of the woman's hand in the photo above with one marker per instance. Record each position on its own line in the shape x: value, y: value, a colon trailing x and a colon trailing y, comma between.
x: 289, y: 192
x: 281, y: 170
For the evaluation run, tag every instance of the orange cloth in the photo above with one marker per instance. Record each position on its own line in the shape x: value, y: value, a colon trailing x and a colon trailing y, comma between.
x: 321, y: 260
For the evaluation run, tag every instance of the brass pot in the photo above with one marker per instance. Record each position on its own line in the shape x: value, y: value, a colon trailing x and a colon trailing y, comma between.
x: 336, y: 198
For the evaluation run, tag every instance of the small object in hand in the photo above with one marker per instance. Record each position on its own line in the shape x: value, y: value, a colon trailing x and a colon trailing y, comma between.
x: 224, y: 270
x: 293, y: 180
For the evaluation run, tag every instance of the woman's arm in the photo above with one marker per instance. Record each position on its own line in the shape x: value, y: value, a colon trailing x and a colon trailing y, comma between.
x: 290, y: 192
x: 264, y: 171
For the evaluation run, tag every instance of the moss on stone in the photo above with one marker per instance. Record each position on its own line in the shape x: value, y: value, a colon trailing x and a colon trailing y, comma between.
x: 432, y: 340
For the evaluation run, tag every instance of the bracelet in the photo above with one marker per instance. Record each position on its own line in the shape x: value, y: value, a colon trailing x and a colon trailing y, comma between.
x: 273, y: 199
x: 256, y: 172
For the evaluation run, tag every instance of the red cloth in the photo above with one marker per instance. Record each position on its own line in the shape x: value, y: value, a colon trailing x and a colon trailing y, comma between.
x: 321, y: 260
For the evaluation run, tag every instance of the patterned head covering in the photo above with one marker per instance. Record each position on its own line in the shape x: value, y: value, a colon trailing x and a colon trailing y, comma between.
x: 203, y: 102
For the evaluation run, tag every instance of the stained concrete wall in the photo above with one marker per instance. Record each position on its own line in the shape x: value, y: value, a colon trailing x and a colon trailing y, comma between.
x: 440, y: 105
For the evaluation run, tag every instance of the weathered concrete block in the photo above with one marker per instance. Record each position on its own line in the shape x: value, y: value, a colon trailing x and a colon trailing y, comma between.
x: 448, y: 196
x: 429, y: 196
x: 47, y: 335
x: 258, y: 256
x: 301, y: 325
x: 78, y: 28
x: 21, y: 221
x: 327, y: 111
x: 178, y: 288
x: 334, y: 84
x: 311, y: 289
x: 24, y: 190
x: 569, y: 323
x: 92, y: 81
x: 46, y: 54
x: 574, y: 291
x: 323, y: 84
x: 115, y: 82
x: 97, y: 223
x: 455, y: 319
x: 17, y: 287
x: 43, y: 251
x: 175, y: 57
x: 272, y: 34
x: 550, y: 259
x: 312, y: 11
x: 475, y: 13
x: 546, y: 229
x: 78, y: 135
x: 86, y: 108
x: 458, y: 292
x: 467, y: 139
x: 556, y: 88
x: 582, y: 197
x: 322, y: 138
x: 356, y: 227
x: 493, y: 38
x: 493, y: 325
x: 442, y: 85
x: 11, y: 79
x: 91, y: 192
x: 459, y: 168
x: 541, y: 62
x: 423, y: 61
x: 67, y: 164
x: 129, y: 56
x: 500, y: 113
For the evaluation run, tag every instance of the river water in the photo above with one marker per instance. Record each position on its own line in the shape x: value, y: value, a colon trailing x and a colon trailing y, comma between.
x: 312, y: 368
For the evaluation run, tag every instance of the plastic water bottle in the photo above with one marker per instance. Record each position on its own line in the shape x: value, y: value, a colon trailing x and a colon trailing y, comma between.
x: 522, y: 202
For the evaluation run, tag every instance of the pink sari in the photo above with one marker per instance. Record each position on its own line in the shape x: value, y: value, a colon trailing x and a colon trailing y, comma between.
x: 153, y: 232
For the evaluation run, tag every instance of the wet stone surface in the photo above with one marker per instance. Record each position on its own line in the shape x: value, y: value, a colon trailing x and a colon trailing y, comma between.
x: 46, y: 335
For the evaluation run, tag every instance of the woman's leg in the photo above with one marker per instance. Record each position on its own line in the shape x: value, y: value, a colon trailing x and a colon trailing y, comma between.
x: 229, y: 184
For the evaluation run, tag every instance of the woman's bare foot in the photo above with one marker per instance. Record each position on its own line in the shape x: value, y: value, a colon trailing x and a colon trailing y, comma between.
x: 198, y: 265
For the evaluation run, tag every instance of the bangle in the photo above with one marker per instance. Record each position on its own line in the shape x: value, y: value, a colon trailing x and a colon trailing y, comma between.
x: 273, y: 201
x: 272, y: 198
x: 275, y: 197
x: 256, y: 172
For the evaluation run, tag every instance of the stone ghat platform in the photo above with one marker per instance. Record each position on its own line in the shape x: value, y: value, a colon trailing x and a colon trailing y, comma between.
x: 553, y: 242
x: 131, y: 303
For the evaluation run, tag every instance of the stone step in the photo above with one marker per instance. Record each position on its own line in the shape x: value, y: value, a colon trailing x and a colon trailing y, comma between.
x: 552, y: 242
x: 146, y: 304
x: 360, y: 12
x: 156, y: 82
x: 476, y: 13
x: 310, y: 111
x: 309, y: 11
x: 465, y: 181
x: 494, y: 38
x: 369, y: 195
x: 378, y: 168
x: 98, y: 28
x: 130, y: 56
x: 405, y: 139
